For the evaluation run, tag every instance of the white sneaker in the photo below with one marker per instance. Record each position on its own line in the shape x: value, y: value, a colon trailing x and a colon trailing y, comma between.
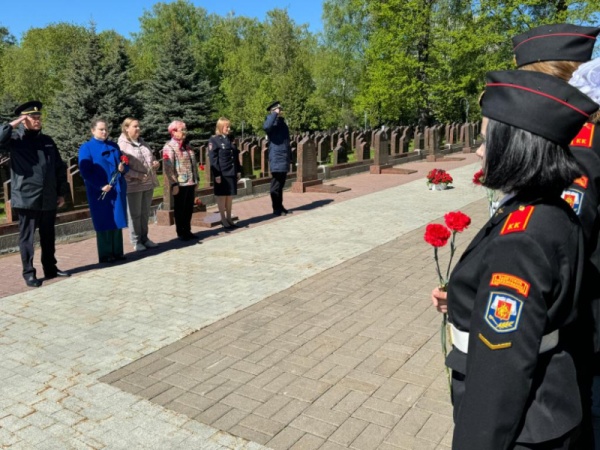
x: 150, y: 244
x: 139, y: 247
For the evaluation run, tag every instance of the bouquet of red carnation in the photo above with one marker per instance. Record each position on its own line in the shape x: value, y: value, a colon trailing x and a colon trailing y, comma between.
x: 492, y: 195
x: 197, y: 201
x: 438, y: 235
x: 439, y: 176
x: 115, y: 176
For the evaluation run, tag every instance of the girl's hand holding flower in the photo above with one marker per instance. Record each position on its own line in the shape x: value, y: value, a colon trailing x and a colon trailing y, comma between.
x: 439, y: 299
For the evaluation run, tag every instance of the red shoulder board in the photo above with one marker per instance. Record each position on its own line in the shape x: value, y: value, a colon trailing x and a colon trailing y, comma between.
x: 585, y: 136
x: 518, y: 220
x: 582, y: 181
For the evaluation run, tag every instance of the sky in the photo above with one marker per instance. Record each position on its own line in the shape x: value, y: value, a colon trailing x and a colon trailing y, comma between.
x: 123, y: 15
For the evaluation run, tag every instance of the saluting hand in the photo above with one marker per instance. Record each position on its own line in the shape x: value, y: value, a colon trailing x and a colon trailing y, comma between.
x: 16, y: 122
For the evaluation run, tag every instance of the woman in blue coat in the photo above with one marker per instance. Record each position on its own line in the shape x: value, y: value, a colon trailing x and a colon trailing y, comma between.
x: 102, y: 168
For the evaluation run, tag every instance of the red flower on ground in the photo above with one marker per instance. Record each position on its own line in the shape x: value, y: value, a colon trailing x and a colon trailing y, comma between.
x: 436, y: 234
x: 197, y: 201
x: 437, y: 176
x: 478, y: 178
x: 457, y: 221
x: 124, y: 159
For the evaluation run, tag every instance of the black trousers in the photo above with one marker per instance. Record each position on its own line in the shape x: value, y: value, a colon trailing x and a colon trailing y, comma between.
x: 277, y: 184
x: 29, y: 220
x: 183, y: 209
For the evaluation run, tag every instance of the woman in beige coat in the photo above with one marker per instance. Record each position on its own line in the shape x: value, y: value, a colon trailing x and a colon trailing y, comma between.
x: 141, y: 181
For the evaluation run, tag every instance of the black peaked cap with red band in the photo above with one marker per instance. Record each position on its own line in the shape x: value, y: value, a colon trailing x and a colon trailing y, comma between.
x: 559, y: 42
x: 536, y: 102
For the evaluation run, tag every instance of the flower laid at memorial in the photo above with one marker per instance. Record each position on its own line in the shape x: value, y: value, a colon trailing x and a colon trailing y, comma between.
x: 491, y: 194
x: 115, y: 176
x: 438, y: 235
x: 197, y: 201
x: 438, y: 179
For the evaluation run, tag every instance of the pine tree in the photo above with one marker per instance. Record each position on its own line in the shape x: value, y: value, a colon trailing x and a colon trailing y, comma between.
x: 117, y: 99
x: 96, y: 85
x: 176, y: 91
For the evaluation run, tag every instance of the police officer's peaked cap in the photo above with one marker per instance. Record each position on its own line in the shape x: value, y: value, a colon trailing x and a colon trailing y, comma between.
x: 536, y: 102
x: 32, y: 107
x: 559, y: 42
x: 273, y: 105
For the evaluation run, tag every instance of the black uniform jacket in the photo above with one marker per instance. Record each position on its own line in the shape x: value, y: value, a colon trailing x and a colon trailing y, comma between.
x: 38, y: 174
x: 517, y: 281
x: 224, y: 157
x: 584, y: 197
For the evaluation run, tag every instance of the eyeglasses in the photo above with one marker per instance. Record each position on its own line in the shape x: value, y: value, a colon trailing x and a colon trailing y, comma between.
x: 182, y: 131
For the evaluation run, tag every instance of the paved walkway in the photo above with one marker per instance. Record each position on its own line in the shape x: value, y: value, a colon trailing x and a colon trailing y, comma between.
x: 333, y: 344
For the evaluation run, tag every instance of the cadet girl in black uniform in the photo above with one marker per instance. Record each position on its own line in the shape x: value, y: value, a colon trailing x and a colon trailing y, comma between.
x: 225, y: 170
x: 513, y: 294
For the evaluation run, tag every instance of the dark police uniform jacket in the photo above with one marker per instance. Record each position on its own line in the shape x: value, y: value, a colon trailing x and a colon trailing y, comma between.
x: 584, y: 197
x: 38, y: 174
x: 513, y: 288
x: 224, y: 157
x: 280, y: 154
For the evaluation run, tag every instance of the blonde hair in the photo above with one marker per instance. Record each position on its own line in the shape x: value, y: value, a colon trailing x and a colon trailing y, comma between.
x: 126, y: 124
x: 560, y: 69
x: 221, y: 125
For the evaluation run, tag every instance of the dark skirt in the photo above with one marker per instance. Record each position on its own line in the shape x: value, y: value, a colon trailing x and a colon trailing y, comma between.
x: 227, y: 186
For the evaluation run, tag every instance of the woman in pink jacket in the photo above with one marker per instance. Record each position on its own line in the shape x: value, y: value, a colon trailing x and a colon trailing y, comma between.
x: 141, y: 181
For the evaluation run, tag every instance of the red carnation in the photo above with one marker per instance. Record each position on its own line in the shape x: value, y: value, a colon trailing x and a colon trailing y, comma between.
x: 197, y: 201
x: 436, y: 234
x: 201, y: 167
x: 124, y: 159
x: 479, y: 178
x: 165, y: 157
x: 457, y: 221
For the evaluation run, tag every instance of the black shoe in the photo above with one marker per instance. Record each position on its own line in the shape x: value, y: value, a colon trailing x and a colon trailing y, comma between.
x: 58, y: 273
x: 226, y: 225
x: 120, y: 257
x: 277, y: 213
x: 285, y: 211
x: 233, y: 225
x: 32, y: 281
x: 184, y: 238
x: 107, y: 259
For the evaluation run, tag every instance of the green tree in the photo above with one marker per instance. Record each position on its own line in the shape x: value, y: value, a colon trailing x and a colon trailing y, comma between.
x: 35, y: 69
x: 156, y: 28
x: 176, y: 91
x: 95, y: 85
x: 287, y: 71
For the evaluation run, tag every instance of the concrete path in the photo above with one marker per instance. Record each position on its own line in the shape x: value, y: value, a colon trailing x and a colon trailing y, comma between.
x: 338, y: 293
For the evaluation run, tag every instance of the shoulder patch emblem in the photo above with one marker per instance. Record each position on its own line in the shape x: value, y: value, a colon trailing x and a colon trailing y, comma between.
x: 574, y: 197
x: 582, y: 181
x: 517, y: 221
x: 511, y: 281
x: 585, y: 136
x: 503, y: 312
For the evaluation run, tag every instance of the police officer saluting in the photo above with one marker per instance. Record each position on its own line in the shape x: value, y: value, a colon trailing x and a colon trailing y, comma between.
x: 280, y: 154
x: 38, y: 186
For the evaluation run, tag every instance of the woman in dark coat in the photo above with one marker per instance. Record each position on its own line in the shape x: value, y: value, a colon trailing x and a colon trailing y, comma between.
x: 225, y: 169
x: 513, y: 296
x: 102, y: 169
